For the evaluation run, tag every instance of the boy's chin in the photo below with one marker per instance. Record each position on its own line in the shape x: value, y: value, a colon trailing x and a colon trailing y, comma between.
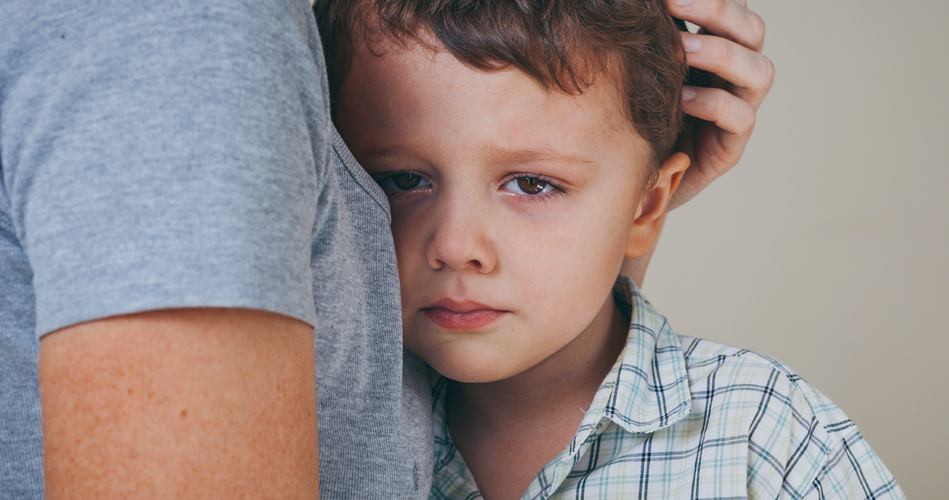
x: 465, y: 366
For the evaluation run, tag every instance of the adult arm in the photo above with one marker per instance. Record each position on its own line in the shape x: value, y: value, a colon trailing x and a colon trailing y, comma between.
x: 729, y: 47
x: 161, y: 164
x: 187, y: 403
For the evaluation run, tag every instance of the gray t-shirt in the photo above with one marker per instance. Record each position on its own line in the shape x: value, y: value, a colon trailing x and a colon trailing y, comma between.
x: 180, y: 153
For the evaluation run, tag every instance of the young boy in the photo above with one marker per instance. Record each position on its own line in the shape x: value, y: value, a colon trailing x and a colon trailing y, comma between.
x: 526, y: 149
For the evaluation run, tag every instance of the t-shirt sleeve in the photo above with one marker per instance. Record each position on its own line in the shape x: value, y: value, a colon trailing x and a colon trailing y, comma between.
x: 163, y: 154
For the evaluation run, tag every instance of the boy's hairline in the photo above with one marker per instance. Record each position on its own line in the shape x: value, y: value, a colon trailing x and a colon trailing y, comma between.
x: 651, y: 159
x: 427, y: 41
x: 583, y: 71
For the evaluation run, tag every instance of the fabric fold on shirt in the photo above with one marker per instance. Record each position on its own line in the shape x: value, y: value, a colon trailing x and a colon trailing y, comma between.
x: 678, y: 417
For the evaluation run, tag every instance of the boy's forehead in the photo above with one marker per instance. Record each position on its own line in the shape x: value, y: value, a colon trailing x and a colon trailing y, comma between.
x: 403, y: 91
x: 429, y: 64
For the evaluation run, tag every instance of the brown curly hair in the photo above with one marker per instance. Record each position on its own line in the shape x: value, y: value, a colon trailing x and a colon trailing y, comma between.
x: 562, y: 44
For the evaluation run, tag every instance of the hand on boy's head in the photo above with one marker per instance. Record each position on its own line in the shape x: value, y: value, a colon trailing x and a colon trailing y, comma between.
x: 729, y: 47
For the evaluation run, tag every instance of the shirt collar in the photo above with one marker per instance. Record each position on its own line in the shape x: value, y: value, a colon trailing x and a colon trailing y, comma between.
x: 646, y: 390
x: 648, y: 387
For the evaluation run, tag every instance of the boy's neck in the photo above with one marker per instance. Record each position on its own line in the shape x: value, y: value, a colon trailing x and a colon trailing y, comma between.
x: 560, y: 388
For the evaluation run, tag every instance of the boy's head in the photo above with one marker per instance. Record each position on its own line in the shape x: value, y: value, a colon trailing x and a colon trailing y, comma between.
x: 562, y: 44
x: 524, y: 151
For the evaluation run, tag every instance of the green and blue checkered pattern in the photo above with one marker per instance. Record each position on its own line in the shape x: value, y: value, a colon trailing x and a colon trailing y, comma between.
x: 683, y: 418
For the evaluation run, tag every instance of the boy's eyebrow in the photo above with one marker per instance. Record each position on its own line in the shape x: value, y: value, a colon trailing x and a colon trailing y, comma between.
x: 505, y: 155
x: 386, y: 151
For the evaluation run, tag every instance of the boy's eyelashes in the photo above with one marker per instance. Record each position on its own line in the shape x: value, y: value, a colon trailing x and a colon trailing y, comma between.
x: 401, y: 181
x: 396, y: 183
x: 533, y: 186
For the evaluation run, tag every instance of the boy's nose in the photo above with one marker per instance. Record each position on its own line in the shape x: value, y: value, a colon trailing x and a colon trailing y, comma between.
x: 458, y: 242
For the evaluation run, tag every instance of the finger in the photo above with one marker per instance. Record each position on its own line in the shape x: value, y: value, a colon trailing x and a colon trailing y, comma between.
x: 727, y: 111
x: 751, y: 73
x: 725, y: 18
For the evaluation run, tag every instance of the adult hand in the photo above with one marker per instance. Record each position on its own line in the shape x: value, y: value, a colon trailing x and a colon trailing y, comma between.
x: 728, y: 47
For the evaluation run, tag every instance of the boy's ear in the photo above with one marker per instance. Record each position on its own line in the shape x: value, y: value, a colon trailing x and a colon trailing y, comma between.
x: 652, y: 206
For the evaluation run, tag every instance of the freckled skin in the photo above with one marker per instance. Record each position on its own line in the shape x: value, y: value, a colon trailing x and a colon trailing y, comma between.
x: 180, y: 404
x: 524, y: 201
x: 551, y: 259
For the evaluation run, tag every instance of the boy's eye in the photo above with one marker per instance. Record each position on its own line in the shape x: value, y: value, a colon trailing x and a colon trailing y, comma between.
x: 528, y: 185
x: 406, y: 181
x: 403, y: 181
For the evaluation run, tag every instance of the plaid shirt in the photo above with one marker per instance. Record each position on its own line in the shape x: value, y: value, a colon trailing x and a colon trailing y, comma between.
x: 683, y: 418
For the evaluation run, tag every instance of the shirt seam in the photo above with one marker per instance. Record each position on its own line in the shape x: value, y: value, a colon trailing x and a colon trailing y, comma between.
x: 358, y: 174
x: 770, y: 363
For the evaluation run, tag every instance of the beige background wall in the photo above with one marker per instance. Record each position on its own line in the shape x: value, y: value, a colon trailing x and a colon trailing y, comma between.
x: 828, y: 246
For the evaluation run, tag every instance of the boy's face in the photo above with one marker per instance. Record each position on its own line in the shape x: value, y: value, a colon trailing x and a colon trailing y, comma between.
x: 512, y: 206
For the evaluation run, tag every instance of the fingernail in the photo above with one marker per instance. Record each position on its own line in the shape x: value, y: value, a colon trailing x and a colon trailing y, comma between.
x: 692, y: 43
x: 688, y: 93
x: 683, y: 3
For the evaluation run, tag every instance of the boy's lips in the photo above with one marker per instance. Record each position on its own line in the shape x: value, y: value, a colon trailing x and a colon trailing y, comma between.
x: 461, y: 315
